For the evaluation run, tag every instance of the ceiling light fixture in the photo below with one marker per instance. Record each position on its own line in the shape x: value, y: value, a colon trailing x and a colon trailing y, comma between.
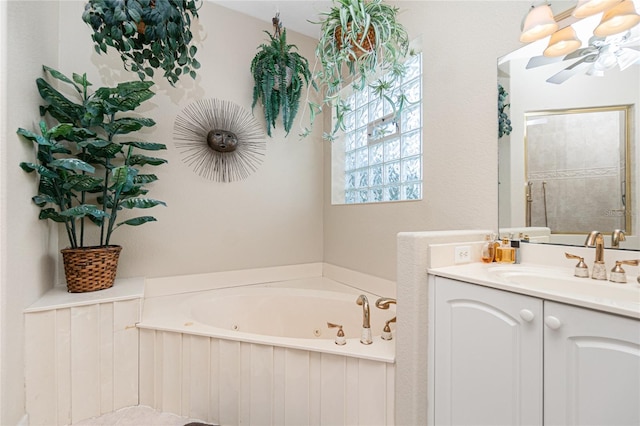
x: 619, y: 18
x: 563, y: 42
x: 586, y: 8
x: 538, y: 23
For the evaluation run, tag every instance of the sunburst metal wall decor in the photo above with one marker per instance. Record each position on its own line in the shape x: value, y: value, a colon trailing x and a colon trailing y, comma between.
x: 220, y: 140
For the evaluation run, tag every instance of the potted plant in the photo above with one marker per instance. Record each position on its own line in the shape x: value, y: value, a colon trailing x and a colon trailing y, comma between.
x: 361, y: 43
x: 149, y: 34
x: 86, y: 176
x: 280, y: 74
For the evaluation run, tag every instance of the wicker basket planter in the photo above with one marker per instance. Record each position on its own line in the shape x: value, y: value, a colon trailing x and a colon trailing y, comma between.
x: 366, y: 42
x: 90, y: 268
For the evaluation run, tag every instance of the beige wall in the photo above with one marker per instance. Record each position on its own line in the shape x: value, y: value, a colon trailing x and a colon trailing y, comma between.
x: 31, y: 33
x: 277, y: 215
x: 274, y: 217
x: 460, y: 43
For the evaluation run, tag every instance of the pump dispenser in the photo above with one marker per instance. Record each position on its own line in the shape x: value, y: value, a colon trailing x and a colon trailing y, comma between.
x: 488, y: 249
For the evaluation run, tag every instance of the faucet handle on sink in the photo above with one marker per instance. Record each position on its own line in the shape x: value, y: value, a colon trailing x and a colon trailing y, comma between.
x: 581, y: 270
x: 618, y: 274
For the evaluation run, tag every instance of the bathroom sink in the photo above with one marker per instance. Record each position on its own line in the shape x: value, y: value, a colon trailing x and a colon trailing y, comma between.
x: 551, y: 280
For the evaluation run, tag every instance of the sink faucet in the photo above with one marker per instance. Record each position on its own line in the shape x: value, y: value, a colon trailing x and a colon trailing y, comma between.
x: 595, y: 239
x: 365, y: 338
x: 617, y: 236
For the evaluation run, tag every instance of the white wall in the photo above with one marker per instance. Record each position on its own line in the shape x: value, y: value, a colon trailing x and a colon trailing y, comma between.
x: 31, y: 32
x: 461, y: 41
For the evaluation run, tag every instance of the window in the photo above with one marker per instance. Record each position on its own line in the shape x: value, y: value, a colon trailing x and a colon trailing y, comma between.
x: 379, y: 157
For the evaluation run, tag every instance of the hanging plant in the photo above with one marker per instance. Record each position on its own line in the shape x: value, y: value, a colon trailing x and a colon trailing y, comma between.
x: 361, y: 44
x: 504, y: 123
x: 149, y: 34
x: 280, y: 75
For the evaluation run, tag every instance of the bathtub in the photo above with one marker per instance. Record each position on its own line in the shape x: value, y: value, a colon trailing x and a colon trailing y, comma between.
x: 263, y: 354
x: 292, y: 314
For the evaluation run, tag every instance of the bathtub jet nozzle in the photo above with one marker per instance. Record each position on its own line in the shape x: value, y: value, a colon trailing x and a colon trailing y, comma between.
x: 365, y: 338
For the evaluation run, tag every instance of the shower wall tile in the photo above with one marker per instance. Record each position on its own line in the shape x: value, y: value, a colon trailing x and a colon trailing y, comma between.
x: 81, y: 361
x: 230, y: 382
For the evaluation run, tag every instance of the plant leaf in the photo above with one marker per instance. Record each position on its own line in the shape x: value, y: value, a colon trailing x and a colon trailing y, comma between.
x: 141, y: 203
x: 136, y: 221
x: 73, y: 164
x: 84, y: 210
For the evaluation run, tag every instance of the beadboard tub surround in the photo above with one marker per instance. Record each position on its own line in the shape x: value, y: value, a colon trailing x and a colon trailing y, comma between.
x: 81, y: 353
x: 230, y: 379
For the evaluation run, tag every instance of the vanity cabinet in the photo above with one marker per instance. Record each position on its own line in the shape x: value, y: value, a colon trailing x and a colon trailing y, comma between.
x: 503, y: 358
x: 591, y: 367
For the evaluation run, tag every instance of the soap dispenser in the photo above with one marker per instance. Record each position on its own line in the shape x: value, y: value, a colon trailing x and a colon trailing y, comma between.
x: 488, y: 249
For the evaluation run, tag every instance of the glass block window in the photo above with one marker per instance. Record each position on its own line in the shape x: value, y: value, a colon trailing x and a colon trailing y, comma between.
x: 380, y: 155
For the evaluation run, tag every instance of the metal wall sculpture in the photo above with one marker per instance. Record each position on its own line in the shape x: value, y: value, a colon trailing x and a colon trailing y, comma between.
x: 220, y: 140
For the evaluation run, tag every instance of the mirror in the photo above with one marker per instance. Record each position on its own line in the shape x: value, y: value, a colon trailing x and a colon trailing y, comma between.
x: 543, y: 114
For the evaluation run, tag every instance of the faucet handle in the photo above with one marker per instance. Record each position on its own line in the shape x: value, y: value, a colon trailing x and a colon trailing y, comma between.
x: 384, y: 302
x: 340, y: 339
x: 618, y: 274
x: 386, y: 331
x: 581, y: 269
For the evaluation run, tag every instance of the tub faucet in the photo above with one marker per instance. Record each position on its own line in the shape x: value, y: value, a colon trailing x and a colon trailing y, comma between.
x: 617, y: 236
x: 595, y: 239
x: 365, y: 338
x: 383, y: 303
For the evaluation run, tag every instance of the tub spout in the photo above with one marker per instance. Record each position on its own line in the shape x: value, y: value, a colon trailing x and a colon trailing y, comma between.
x: 365, y: 338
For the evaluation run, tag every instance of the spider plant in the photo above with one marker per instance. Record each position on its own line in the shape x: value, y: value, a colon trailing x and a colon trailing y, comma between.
x: 361, y: 44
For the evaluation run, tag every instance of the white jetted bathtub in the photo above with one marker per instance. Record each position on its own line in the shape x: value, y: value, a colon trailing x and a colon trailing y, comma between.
x: 264, y: 354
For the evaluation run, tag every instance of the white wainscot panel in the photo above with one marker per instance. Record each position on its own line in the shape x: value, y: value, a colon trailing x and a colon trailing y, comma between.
x: 230, y: 382
x: 81, y: 361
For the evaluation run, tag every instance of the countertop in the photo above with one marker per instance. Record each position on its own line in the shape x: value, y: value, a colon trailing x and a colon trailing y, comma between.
x: 551, y: 283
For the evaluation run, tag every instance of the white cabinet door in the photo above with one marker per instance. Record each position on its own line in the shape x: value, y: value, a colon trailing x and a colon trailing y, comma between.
x: 488, y: 356
x: 592, y: 367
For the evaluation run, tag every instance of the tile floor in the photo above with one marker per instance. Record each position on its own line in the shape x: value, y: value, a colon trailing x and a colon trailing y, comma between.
x: 137, y: 416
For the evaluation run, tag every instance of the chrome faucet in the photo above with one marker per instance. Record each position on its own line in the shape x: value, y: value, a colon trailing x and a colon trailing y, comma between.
x: 595, y: 239
x: 365, y: 338
x: 616, y: 236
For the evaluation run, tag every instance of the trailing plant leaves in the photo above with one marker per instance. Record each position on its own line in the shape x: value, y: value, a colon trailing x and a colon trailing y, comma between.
x: 165, y: 25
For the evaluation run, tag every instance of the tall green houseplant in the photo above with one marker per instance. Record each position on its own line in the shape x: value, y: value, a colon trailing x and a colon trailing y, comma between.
x: 89, y: 170
x: 280, y: 75
x: 361, y: 44
x: 148, y: 34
